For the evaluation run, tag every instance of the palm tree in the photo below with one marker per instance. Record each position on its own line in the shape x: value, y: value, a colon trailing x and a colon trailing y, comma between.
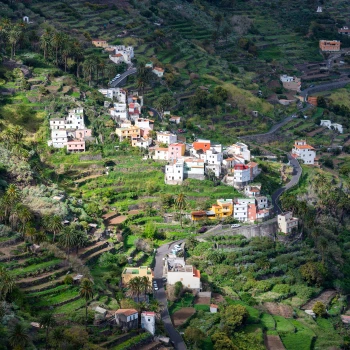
x: 18, y: 337
x: 145, y: 285
x: 66, y: 52
x: 68, y: 238
x: 81, y: 240
x: 56, y: 337
x: 7, y: 283
x: 135, y: 287
x: 45, y: 41
x: 47, y: 321
x: 88, y: 69
x: 181, y: 204
x: 155, y: 306
x: 53, y: 224
x: 323, y: 247
x: 57, y: 42
x: 86, y: 292
x: 24, y: 217
x: 13, y: 37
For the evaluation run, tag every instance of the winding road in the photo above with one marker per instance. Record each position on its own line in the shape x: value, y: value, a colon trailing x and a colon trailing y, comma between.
x: 160, y: 295
x: 123, y: 77
x: 297, y: 171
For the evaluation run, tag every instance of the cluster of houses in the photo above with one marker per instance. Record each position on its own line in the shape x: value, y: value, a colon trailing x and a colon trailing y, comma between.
x: 70, y: 131
x: 254, y: 208
x: 332, y: 126
x: 117, y: 53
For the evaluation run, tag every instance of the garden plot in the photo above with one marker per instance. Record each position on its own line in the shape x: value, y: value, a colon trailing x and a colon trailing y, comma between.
x: 273, y: 342
x: 202, y: 300
x: 179, y: 317
x: 279, y: 309
x: 325, y: 297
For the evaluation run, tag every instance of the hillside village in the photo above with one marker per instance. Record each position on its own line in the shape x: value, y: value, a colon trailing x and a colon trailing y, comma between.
x: 174, y: 175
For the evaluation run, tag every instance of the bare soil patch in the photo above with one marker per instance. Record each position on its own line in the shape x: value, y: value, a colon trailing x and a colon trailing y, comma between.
x: 118, y: 220
x: 279, y: 309
x: 202, y: 301
x: 133, y: 212
x: 325, y: 297
x: 218, y: 298
x: 316, y: 131
x: 180, y: 317
x: 273, y: 342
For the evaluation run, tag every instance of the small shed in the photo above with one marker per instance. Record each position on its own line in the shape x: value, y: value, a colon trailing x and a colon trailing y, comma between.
x: 26, y: 19
x: 77, y: 278
x: 101, y: 311
x: 345, y: 319
x: 213, y: 308
x: 255, y: 113
x: 311, y: 313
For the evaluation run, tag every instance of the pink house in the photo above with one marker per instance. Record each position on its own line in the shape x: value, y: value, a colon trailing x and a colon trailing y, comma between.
x: 76, y: 146
x: 176, y: 150
x: 82, y: 133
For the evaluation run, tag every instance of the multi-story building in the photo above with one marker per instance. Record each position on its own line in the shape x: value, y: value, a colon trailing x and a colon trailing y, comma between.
x: 241, y: 175
x: 75, y: 145
x: 176, y: 270
x: 330, y: 45
x: 239, y: 149
x: 286, y: 222
x: 59, y: 138
x: 130, y: 133
x: 148, y: 321
x: 118, y: 94
x: 121, y: 53
x: 304, y: 152
x: 242, y: 209
x: 75, y: 119
x: 130, y: 273
x: 119, y: 111
x: 344, y: 31
x: 159, y: 153
x: 166, y: 137
x: 176, y: 150
x: 184, y: 168
x: 221, y: 210
x: 203, y: 145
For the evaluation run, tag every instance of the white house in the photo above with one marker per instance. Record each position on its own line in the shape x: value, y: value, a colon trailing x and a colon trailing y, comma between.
x: 75, y: 119
x: 174, y: 172
x: 241, y: 208
x: 262, y: 202
x: 59, y: 138
x: 286, y: 79
x: 328, y: 124
x: 239, y: 149
x: 134, y: 110
x: 144, y: 123
x: 166, y: 137
x: 211, y: 156
x: 241, y: 175
x: 57, y: 123
x: 114, y: 93
x: 304, y: 152
x: 119, y: 111
x: 121, y: 54
x: 159, y: 72
x: 142, y: 142
x: 286, y: 222
x: 159, y: 153
x: 175, y: 120
x: 177, y: 271
x: 148, y: 321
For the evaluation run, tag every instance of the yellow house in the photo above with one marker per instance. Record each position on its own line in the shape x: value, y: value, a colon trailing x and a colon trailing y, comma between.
x: 221, y: 210
x: 99, y: 43
x: 131, y: 272
x: 128, y: 133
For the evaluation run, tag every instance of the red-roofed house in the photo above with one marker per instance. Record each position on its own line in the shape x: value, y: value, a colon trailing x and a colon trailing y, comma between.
x: 159, y: 72
x: 304, y: 152
x: 127, y: 318
x: 201, y: 145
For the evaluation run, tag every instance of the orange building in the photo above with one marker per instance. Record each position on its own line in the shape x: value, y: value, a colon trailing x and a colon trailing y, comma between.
x: 201, y: 144
x: 330, y: 45
x: 99, y: 43
x: 312, y: 100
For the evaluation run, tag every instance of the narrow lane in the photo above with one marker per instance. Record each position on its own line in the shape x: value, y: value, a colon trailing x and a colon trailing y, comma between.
x: 160, y: 295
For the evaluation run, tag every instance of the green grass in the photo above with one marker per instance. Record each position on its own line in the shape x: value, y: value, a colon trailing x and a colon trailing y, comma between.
x: 301, y: 339
x: 268, y: 321
x: 202, y: 307
x: 31, y: 268
x: 70, y: 307
x: 254, y: 314
x: 48, y: 291
x: 283, y: 325
x: 66, y: 295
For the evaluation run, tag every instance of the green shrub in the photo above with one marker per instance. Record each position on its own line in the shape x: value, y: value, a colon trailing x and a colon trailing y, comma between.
x: 281, y: 288
x: 68, y: 279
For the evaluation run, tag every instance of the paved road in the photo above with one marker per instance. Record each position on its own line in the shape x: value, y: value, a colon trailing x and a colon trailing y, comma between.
x: 123, y: 76
x: 325, y: 87
x: 174, y: 335
x: 297, y: 170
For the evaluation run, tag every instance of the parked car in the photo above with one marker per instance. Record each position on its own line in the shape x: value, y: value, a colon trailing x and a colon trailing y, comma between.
x: 235, y: 225
x: 202, y: 229
x: 117, y: 76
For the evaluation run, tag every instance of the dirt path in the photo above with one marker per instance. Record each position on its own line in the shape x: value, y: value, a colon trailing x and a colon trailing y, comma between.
x: 325, y: 297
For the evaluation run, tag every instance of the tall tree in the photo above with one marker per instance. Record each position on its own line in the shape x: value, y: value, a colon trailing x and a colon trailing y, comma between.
x: 47, y: 321
x: 86, y: 292
x: 135, y: 287
x: 57, y: 42
x: 7, y: 283
x: 45, y: 41
x: 18, y: 336
x: 181, y: 204
x: 68, y: 239
x: 53, y: 224
x: 14, y: 35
